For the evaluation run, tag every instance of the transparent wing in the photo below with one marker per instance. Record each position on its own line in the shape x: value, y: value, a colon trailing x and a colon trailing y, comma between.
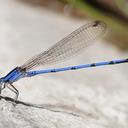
x: 70, y: 45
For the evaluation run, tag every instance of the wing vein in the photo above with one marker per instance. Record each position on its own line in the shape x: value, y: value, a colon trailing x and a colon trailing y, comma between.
x: 68, y: 46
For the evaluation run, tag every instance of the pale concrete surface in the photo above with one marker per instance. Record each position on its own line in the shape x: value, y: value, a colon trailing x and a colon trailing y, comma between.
x: 87, y: 98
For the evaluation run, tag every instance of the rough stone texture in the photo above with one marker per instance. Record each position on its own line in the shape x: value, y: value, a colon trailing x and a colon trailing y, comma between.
x: 90, y: 98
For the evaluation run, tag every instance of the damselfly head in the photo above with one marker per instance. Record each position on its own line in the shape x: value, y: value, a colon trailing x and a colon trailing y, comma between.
x: 1, y: 83
x: 1, y: 80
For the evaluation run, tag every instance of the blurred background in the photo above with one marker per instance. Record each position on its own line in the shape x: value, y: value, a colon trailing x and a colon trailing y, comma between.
x: 113, y: 12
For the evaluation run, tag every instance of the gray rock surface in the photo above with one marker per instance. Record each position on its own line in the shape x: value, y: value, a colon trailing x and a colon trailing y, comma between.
x: 90, y: 98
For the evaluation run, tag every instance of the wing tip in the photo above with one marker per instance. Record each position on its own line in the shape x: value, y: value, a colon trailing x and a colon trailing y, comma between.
x: 99, y: 22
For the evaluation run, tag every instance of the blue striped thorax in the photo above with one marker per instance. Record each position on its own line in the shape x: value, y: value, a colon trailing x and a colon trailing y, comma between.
x: 13, y: 75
